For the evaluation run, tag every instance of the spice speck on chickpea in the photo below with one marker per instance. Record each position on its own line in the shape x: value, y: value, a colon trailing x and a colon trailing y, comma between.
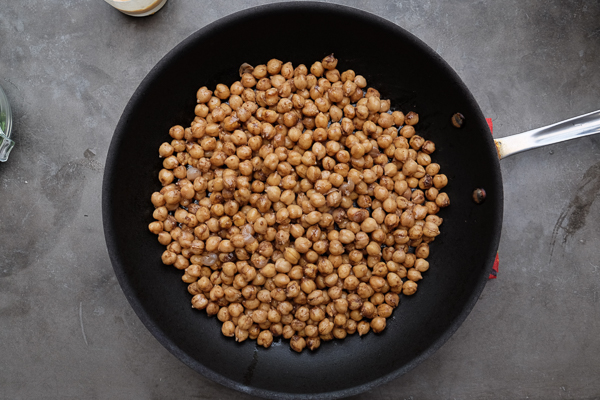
x: 298, y: 204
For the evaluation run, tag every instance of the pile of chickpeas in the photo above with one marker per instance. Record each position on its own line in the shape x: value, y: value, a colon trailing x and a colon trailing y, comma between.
x: 297, y: 204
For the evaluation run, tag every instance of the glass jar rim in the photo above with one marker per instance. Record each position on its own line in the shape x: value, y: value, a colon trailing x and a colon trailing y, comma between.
x: 5, y: 109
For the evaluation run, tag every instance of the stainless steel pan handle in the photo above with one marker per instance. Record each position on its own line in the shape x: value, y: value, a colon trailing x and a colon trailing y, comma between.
x: 584, y: 125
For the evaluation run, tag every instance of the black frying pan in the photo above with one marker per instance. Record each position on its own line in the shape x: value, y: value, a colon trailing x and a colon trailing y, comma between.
x: 405, y: 71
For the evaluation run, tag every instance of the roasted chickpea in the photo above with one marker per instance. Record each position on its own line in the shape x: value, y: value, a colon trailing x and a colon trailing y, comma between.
x: 442, y: 200
x: 297, y: 203
x: 409, y: 288
x: 440, y: 181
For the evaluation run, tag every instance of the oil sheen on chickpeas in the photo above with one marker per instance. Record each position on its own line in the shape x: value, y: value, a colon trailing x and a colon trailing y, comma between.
x: 298, y: 204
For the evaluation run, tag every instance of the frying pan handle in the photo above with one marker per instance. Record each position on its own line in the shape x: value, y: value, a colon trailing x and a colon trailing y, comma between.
x: 584, y: 125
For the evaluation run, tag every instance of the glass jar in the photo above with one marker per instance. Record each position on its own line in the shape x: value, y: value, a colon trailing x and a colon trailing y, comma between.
x: 137, y: 8
x: 6, y: 144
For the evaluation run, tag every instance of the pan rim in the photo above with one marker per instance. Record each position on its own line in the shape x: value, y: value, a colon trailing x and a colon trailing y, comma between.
x: 108, y: 225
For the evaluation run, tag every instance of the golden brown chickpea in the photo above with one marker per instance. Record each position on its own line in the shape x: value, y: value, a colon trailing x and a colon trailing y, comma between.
x: 333, y: 75
x: 164, y: 238
x: 412, y: 118
x: 329, y: 62
x: 378, y: 324
x: 368, y: 309
x: 373, y: 104
x: 432, y: 169
x: 440, y: 181
x: 236, y: 88
x: 421, y: 265
x: 199, y: 302
x: 317, y: 69
x: 416, y: 142
x: 368, y: 225
x: 409, y: 288
x: 442, y: 200
x: 172, y: 197
x: 165, y: 150
x: 158, y: 200
x: 156, y: 227
x: 170, y: 162
x: 287, y: 70
x: 222, y: 91
x: 431, y: 229
x: 259, y: 71
x: 265, y: 339
x: 360, y: 81
x: 428, y: 147
x: 203, y: 95
x: 248, y: 81
x: 414, y: 275
x: 384, y: 310
x: 363, y: 328
x: 313, y: 217
x: 213, y: 103
x: 416, y: 232
x: 339, y: 333
x: 223, y: 316
x: 407, y: 131
x: 165, y: 177
x: 398, y: 117
x: 422, y: 250
x: 409, y: 167
x: 274, y: 66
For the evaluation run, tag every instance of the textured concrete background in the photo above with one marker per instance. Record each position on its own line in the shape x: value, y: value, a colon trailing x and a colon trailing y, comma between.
x: 69, y: 68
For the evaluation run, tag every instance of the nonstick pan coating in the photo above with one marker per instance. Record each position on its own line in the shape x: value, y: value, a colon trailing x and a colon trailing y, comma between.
x: 405, y: 71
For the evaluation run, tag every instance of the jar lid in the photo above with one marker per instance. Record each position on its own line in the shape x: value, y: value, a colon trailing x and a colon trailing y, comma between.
x: 6, y: 144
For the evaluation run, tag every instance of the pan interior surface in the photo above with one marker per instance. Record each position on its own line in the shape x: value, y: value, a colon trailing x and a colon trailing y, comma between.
x: 405, y: 71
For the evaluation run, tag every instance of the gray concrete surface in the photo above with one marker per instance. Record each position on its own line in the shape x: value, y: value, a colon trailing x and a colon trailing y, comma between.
x: 69, y: 68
